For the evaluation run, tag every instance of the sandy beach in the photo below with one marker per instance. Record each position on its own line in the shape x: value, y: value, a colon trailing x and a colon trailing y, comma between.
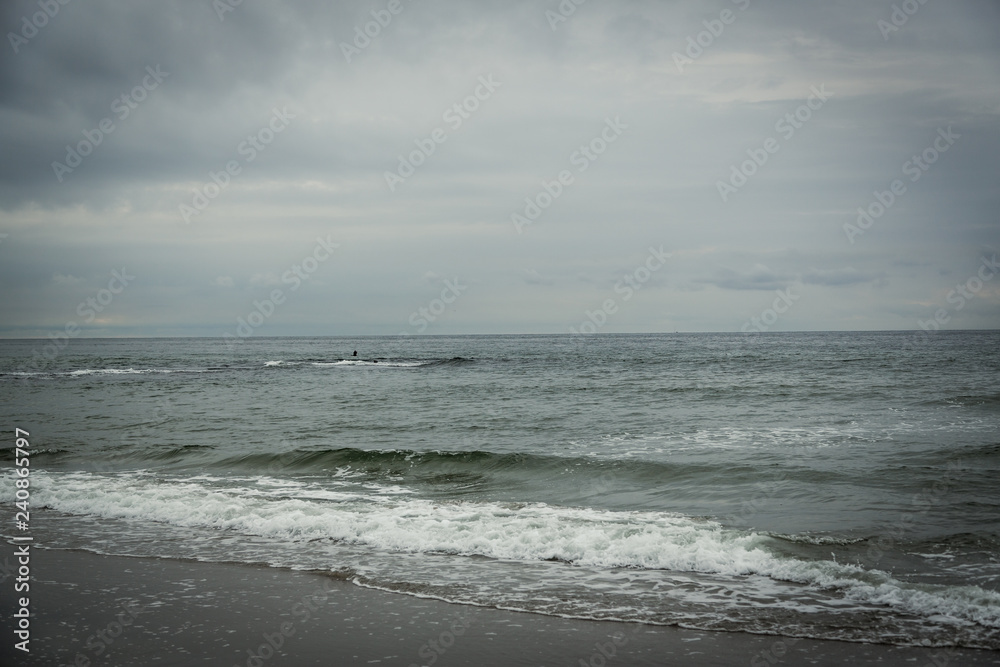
x: 90, y: 609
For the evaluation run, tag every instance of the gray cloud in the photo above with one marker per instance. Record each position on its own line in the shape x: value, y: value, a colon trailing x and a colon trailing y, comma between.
x: 657, y: 184
x: 843, y: 277
x: 760, y: 277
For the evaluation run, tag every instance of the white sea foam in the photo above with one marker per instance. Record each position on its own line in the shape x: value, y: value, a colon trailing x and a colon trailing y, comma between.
x: 119, y: 371
x: 710, y: 439
x: 361, y: 362
x: 530, y: 532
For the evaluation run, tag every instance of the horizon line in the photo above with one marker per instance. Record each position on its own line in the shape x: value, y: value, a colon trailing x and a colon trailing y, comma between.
x: 460, y: 335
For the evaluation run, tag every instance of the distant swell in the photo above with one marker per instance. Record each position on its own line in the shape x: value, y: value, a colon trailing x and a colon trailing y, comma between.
x: 454, y: 361
x: 413, y: 464
x: 966, y: 400
x: 355, y: 362
x: 285, y: 364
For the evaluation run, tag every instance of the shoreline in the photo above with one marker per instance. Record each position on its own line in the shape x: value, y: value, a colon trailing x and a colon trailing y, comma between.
x: 90, y: 610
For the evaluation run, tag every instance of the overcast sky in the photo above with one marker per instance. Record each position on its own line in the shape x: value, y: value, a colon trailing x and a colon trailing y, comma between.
x: 115, y: 115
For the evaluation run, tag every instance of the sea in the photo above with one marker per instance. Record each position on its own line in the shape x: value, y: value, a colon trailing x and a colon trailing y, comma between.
x: 839, y: 486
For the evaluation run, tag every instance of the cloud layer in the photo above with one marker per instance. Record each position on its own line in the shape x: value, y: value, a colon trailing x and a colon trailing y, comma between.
x: 532, y: 153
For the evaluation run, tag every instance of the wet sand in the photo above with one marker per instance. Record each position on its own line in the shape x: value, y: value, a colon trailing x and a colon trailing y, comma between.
x: 101, y: 610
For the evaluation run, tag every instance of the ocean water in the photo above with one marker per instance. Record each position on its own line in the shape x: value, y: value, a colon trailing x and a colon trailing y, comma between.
x: 827, y: 485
